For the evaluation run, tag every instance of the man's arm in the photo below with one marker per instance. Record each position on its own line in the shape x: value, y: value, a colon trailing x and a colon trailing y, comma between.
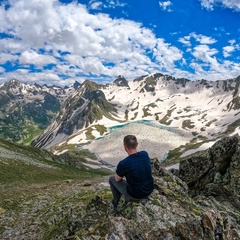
x: 118, y: 178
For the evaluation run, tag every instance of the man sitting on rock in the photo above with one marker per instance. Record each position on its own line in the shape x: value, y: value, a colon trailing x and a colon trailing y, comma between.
x: 137, y: 170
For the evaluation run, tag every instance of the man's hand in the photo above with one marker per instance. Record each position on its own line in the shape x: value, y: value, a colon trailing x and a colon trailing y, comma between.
x: 118, y: 178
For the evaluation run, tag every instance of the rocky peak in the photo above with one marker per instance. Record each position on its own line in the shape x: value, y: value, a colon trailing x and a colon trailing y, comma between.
x: 13, y: 84
x: 76, y: 84
x: 121, y: 81
x: 87, y: 105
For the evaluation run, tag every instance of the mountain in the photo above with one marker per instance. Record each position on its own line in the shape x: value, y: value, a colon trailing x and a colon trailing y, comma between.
x: 87, y: 105
x: 207, y: 109
x: 200, y: 201
x: 27, y: 109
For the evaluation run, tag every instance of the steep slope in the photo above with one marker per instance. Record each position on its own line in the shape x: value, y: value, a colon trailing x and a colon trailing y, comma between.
x: 25, y: 110
x: 86, y: 106
x: 24, y: 165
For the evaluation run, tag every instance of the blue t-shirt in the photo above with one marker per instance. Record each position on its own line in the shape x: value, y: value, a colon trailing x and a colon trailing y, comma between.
x: 138, y: 172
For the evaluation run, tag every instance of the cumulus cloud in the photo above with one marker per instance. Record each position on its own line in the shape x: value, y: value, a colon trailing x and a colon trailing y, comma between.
x: 7, y: 57
x: 79, y: 44
x: 166, y: 6
x: 204, y: 60
x: 166, y: 55
x: 32, y: 57
x: 95, y: 5
x: 232, y: 4
x: 188, y: 40
x: 48, y: 32
x: 185, y: 40
x: 228, y: 50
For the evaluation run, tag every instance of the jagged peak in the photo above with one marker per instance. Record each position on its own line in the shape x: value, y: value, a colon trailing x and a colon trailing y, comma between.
x: 13, y: 83
x: 90, y: 84
x: 76, y: 85
x: 121, y: 81
x: 14, y: 80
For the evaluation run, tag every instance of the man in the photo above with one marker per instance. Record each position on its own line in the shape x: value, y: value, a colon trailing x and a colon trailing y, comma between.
x: 137, y: 170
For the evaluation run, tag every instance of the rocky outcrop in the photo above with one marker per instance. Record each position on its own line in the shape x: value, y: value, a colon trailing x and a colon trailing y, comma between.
x: 171, y: 213
x: 202, y: 202
x: 215, y: 170
x: 121, y: 81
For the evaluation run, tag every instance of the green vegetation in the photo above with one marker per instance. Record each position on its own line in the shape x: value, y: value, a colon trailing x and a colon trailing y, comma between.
x: 231, y: 127
x: 101, y: 129
x: 187, y: 124
x: 126, y: 115
x: 174, y: 155
x: 135, y: 115
x: 30, y: 132
x: 165, y: 120
x: 25, y: 167
x: 89, y: 135
x: 19, y: 172
x: 210, y: 122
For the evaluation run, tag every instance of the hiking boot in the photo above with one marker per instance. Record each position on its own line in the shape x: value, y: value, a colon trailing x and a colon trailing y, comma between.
x: 112, y: 209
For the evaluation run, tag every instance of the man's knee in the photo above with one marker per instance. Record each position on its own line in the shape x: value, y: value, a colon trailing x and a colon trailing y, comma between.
x: 111, y: 179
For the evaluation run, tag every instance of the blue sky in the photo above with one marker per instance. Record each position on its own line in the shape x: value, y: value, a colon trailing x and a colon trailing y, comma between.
x: 59, y: 42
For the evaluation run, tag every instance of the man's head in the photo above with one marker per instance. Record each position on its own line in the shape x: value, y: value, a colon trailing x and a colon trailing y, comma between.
x: 130, y: 141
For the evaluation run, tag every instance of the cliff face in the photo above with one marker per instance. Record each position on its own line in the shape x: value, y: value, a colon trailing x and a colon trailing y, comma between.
x: 200, y: 201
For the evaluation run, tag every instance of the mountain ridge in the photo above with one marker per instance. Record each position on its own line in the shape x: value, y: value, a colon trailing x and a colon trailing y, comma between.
x: 208, y: 109
x: 205, y: 108
x: 27, y: 109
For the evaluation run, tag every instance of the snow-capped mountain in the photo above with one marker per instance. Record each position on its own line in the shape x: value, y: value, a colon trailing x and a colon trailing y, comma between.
x: 27, y: 109
x: 80, y: 110
x: 207, y: 109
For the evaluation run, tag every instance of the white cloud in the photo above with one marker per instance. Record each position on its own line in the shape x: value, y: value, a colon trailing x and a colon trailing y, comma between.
x: 7, y: 57
x: 94, y: 40
x: 95, y: 5
x: 228, y: 50
x: 185, y: 40
x: 45, y: 32
x: 39, y: 60
x: 232, y: 4
x: 2, y: 70
x: 203, y: 39
x: 114, y: 4
x: 206, y: 56
x: 166, y: 55
x: 166, y: 6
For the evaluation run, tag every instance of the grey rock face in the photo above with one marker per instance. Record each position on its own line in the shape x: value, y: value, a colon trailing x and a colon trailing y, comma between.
x: 213, y: 170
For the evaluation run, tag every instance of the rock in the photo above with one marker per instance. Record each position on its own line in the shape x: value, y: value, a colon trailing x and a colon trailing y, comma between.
x: 2, y: 210
x: 200, y: 202
x: 215, y: 168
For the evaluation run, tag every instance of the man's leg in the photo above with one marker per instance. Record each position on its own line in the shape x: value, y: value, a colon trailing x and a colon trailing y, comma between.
x: 118, y: 189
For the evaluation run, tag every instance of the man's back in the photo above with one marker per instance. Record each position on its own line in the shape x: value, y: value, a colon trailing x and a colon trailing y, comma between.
x: 137, y: 170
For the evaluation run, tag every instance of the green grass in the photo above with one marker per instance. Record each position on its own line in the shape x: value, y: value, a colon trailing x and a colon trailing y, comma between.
x: 30, y: 132
x: 18, y: 172
x: 24, y: 166
x: 174, y: 155
x: 18, y: 177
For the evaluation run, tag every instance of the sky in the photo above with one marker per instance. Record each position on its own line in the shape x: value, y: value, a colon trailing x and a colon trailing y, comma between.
x: 57, y: 42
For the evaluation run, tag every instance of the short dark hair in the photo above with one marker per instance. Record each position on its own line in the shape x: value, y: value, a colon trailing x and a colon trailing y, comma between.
x: 130, y: 141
